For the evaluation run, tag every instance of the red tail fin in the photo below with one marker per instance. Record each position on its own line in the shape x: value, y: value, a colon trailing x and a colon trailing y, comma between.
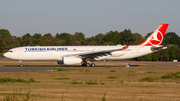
x: 155, y: 39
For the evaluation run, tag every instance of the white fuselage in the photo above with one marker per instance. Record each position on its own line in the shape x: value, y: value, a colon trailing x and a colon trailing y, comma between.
x: 58, y: 52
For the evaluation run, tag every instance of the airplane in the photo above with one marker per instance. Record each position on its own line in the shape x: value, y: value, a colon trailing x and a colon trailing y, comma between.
x: 69, y: 55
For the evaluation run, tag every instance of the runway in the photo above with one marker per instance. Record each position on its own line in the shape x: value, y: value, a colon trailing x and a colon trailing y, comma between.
x: 50, y: 68
x: 157, y: 63
x: 43, y: 68
x: 15, y: 68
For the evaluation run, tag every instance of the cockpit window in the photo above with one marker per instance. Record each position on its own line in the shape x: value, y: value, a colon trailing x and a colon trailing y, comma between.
x: 10, y: 51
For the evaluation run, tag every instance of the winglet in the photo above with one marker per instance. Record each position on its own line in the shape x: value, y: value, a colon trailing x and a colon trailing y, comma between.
x: 125, y: 47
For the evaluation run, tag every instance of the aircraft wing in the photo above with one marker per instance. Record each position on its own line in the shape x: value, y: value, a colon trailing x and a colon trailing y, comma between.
x: 94, y: 54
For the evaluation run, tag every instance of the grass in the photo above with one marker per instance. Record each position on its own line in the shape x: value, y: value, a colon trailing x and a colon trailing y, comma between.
x: 171, y: 75
x: 112, y: 70
x: 103, y: 98
x: 175, y: 75
x: 62, y: 78
x: 148, y: 79
x: 91, y: 83
x: 111, y: 77
x: 87, y: 83
x: 16, y: 96
x: 131, y: 73
x: 61, y: 69
x: 7, y: 80
x: 75, y: 82
x: 151, y: 72
x: 87, y: 71
x: 94, y: 84
x: 102, y: 83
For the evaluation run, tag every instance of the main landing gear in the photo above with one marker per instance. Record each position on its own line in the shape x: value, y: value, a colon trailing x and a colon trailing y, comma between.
x: 88, y: 64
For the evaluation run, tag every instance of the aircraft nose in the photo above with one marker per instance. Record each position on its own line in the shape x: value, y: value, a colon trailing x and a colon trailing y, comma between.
x: 5, y: 54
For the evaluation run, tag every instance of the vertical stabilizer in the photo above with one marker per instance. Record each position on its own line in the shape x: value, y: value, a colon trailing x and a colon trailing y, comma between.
x: 156, y: 38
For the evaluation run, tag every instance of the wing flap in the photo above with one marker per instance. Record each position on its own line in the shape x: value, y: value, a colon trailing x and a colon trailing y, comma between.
x: 94, y: 54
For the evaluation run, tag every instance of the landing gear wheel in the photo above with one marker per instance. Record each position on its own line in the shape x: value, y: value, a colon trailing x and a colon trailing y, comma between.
x: 88, y: 64
x: 20, y: 63
x: 92, y: 65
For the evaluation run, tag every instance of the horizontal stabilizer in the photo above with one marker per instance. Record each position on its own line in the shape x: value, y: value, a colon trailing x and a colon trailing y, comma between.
x: 154, y: 48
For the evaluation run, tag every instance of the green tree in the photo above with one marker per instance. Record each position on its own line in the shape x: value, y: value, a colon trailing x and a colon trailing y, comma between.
x: 126, y: 37
x: 77, y: 43
x: 26, y: 36
x: 154, y: 57
x: 159, y: 55
x: 47, y: 36
x: 171, y: 38
x: 8, y: 43
x: 1, y: 40
x: 68, y: 41
x: 56, y: 42
x: 149, y: 57
x: 35, y: 42
x: 165, y: 56
x: 78, y: 37
x: 177, y: 52
x: 108, y: 43
x: 92, y: 43
x: 172, y: 53
x: 37, y: 36
x: 89, y: 39
x: 99, y: 38
x: 4, y: 33
x: 116, y: 37
x: 45, y: 42
x: 113, y: 36
x: 82, y: 36
x: 26, y: 40
x: 136, y: 38
x: 146, y: 58
x: 62, y: 35
x: 65, y: 38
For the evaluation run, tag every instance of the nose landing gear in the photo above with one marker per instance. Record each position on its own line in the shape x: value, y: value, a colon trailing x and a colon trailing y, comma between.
x: 20, y: 63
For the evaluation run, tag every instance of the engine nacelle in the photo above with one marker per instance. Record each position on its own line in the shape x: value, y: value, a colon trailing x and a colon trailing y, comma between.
x: 71, y: 60
x: 60, y: 62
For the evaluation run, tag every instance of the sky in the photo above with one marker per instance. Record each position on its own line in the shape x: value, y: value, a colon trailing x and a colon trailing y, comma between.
x: 90, y: 17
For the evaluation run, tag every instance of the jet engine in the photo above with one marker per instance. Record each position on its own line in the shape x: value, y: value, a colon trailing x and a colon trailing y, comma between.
x: 59, y: 62
x: 71, y: 60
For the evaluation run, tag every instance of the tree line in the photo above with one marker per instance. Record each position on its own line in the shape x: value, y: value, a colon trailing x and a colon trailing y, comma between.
x: 7, y: 41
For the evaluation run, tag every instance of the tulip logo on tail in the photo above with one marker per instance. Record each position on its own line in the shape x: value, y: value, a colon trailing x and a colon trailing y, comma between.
x: 156, y: 38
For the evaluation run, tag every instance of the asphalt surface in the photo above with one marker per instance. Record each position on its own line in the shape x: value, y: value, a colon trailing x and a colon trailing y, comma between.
x: 24, y: 68
x: 51, y: 68
x: 157, y: 63
x: 43, y: 68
